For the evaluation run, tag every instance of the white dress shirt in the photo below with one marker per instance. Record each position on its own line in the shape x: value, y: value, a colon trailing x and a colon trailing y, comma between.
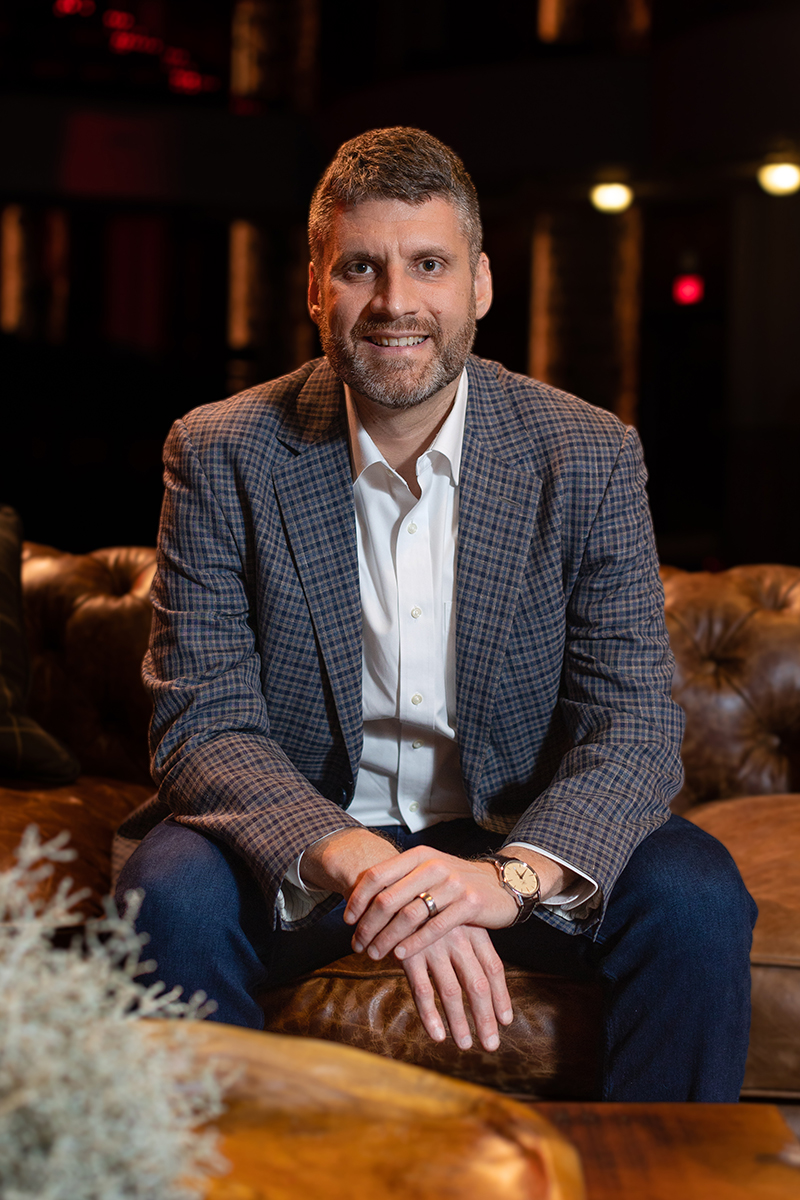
x: 409, y: 772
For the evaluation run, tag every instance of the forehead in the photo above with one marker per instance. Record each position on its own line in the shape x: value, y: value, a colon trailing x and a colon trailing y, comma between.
x: 380, y: 226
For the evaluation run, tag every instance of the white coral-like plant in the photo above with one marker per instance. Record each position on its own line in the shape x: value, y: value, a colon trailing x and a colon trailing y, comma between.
x: 91, y: 1107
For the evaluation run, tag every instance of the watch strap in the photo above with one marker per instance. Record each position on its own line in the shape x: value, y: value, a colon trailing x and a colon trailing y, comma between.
x: 526, y: 903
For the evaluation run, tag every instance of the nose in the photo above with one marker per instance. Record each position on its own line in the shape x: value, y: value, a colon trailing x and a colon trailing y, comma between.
x: 395, y: 294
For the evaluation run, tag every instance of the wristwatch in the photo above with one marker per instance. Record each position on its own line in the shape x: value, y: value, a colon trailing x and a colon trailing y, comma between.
x: 520, y: 880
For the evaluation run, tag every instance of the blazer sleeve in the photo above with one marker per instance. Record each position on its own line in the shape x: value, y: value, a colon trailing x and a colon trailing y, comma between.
x: 217, y: 767
x: 622, y: 730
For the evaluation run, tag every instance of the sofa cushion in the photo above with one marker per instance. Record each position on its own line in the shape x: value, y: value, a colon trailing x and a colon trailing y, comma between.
x: 90, y: 809
x: 763, y: 835
x: 550, y: 1050
x: 26, y: 750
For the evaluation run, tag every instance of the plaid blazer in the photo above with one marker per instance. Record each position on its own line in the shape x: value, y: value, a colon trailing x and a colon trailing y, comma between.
x: 568, y: 736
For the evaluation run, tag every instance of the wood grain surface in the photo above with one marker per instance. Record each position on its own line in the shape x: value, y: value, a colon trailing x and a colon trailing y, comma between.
x: 312, y: 1118
x: 681, y: 1151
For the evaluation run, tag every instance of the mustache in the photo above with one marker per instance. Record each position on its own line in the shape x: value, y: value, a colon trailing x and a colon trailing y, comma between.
x: 424, y: 328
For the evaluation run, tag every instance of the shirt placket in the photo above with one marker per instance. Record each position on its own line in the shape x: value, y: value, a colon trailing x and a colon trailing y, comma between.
x: 418, y: 627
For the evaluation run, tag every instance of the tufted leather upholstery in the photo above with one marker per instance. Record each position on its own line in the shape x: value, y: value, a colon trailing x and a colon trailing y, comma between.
x: 87, y: 618
x: 736, y: 637
x: 549, y: 1050
x: 736, y: 640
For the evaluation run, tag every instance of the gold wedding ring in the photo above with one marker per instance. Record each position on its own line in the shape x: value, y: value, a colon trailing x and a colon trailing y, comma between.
x: 429, y: 902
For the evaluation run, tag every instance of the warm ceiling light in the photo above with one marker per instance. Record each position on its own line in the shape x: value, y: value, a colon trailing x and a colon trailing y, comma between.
x: 611, y: 197
x: 779, y: 178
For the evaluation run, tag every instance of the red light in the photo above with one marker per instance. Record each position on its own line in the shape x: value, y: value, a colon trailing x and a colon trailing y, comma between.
x: 190, y: 82
x: 113, y: 18
x: 133, y: 43
x: 74, y: 8
x: 688, y: 289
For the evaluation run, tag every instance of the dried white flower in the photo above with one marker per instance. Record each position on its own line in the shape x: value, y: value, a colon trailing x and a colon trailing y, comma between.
x: 92, y: 1106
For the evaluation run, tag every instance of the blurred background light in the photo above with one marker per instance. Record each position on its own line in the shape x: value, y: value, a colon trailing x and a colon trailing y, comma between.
x: 611, y: 197
x: 688, y: 289
x: 779, y: 178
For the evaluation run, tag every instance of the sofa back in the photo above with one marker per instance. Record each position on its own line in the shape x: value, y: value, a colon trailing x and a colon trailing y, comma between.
x: 735, y: 636
x: 87, y: 619
x: 736, y: 640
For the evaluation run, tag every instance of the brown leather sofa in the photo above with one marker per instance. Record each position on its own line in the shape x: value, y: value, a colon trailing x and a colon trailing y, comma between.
x: 736, y: 637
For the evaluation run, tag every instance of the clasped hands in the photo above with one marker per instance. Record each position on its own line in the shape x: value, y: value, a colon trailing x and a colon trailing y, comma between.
x: 449, y: 954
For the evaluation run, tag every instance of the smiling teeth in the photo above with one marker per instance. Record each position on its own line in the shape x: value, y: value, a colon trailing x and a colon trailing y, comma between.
x: 403, y: 341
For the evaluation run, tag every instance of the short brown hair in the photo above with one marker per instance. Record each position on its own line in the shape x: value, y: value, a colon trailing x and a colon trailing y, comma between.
x: 394, y: 164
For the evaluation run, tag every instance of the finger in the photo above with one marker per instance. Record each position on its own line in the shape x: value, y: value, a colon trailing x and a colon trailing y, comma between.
x: 425, y: 998
x: 385, y: 938
x: 380, y: 877
x: 389, y: 903
x: 413, y: 916
x: 477, y: 989
x: 448, y: 985
x: 461, y: 911
x: 391, y: 917
x: 495, y: 972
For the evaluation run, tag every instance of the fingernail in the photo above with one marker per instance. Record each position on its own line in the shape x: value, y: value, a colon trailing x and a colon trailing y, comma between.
x: 507, y: 1017
x: 465, y: 1043
x: 373, y: 952
x: 349, y: 919
x: 399, y: 952
x: 438, y: 1034
x: 357, y: 946
x: 492, y: 1042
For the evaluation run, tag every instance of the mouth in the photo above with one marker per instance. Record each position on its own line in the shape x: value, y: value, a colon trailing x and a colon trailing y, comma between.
x: 415, y: 339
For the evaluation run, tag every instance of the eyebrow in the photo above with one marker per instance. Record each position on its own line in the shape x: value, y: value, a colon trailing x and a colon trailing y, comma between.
x: 363, y: 255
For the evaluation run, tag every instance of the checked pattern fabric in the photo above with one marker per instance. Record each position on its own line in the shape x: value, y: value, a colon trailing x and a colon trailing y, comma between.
x: 567, y: 733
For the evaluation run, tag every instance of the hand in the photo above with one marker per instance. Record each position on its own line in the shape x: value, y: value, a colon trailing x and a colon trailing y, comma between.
x: 335, y: 863
x: 462, y: 961
x: 389, y: 915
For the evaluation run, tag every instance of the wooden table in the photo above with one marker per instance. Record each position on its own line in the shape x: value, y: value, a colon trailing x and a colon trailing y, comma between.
x: 311, y: 1118
x: 681, y: 1151
x: 315, y: 1119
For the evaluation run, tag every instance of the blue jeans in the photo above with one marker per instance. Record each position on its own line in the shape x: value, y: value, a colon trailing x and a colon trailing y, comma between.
x: 672, y: 951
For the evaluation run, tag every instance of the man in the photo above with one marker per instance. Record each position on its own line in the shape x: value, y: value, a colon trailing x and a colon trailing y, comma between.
x: 408, y: 616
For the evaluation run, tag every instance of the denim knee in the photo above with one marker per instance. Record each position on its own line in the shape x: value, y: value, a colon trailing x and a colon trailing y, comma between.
x: 687, y: 883
x: 186, y: 878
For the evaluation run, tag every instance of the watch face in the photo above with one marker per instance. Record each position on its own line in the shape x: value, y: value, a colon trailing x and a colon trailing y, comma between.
x: 520, y: 877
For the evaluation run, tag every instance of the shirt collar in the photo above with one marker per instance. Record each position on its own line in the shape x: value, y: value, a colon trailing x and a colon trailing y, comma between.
x: 448, y: 441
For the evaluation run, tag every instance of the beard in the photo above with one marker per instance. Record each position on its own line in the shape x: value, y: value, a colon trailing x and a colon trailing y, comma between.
x: 402, y: 384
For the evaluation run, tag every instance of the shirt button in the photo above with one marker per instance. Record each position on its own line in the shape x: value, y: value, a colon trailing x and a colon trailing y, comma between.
x: 413, y: 806
x: 412, y: 528
x: 416, y: 698
x: 416, y: 612
x: 415, y: 745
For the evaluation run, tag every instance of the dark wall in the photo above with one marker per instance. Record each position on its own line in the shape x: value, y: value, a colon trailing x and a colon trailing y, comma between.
x: 149, y: 183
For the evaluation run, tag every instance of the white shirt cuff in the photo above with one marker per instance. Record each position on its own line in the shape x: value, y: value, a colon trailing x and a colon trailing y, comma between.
x: 582, y: 894
x: 295, y: 899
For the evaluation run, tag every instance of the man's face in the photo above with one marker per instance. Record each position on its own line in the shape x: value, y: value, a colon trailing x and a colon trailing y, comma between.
x: 396, y: 301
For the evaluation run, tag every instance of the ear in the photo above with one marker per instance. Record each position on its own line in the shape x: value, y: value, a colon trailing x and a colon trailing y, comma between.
x: 313, y: 295
x: 483, y: 287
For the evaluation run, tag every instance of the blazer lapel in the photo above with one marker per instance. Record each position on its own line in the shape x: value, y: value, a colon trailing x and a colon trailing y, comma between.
x: 497, y: 515
x: 314, y: 491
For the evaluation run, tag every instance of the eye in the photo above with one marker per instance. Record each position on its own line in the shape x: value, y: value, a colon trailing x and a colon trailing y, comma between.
x: 358, y: 268
x: 430, y: 266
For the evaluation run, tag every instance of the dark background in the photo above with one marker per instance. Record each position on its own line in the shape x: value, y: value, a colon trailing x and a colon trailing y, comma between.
x: 122, y: 171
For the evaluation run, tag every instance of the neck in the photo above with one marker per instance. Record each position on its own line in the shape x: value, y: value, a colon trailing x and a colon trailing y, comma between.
x: 402, y: 435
